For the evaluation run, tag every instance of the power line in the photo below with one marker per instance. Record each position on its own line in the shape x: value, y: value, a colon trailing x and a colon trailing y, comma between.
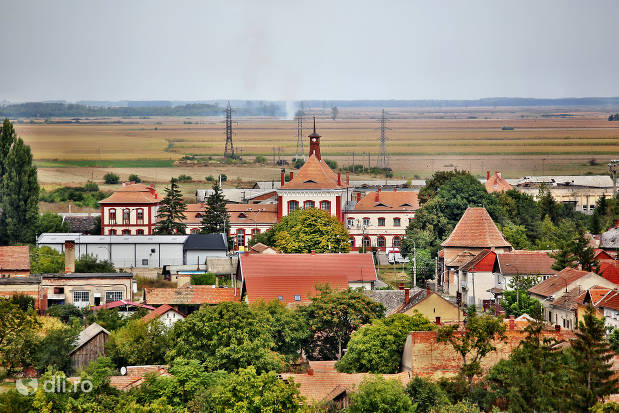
x: 229, y: 151
x: 383, y: 159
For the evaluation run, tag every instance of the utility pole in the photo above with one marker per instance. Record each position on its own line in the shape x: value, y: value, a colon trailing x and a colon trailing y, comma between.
x: 229, y: 151
x: 414, y: 264
x: 300, y: 151
x: 383, y: 158
x: 612, y: 167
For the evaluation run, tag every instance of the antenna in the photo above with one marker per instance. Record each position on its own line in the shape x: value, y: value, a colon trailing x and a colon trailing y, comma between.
x: 300, y: 151
x: 383, y: 158
x: 229, y: 151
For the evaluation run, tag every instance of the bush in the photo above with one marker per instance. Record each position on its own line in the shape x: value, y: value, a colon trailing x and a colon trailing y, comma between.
x: 210, y: 178
x: 134, y: 178
x: 298, y: 163
x: 111, y: 178
x: 203, y: 279
x: 378, y: 395
x: 260, y: 159
x: 89, y: 263
x: 426, y: 394
x: 223, y: 177
x: 64, y: 312
x: 91, y: 187
x: 184, y: 178
x: 331, y: 164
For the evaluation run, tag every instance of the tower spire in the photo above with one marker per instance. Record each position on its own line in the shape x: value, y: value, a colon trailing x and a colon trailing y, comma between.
x: 315, y: 142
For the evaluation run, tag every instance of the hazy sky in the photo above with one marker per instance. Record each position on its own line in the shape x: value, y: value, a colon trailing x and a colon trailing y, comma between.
x: 289, y: 49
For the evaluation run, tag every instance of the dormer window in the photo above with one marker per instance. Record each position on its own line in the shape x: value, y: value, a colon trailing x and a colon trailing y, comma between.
x: 242, y: 215
x: 309, y: 181
x: 198, y: 215
x: 380, y: 204
x: 406, y: 204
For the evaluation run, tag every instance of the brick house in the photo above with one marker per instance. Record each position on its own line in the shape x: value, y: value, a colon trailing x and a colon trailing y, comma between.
x: 130, y: 210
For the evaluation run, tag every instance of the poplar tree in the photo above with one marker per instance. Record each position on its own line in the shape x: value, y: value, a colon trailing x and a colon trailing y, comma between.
x: 20, y: 195
x: 215, y: 219
x: 7, y: 138
x: 171, y: 212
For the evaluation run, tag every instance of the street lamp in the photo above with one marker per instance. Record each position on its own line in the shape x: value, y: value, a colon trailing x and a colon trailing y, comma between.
x: 256, y: 212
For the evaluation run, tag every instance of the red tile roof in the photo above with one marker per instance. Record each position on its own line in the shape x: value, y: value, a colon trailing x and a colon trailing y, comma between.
x: 558, y: 282
x: 159, y: 311
x: 477, y: 259
x: 461, y: 259
x: 497, y: 183
x: 133, y: 194
x: 596, y: 293
x: 610, y: 301
x: 121, y: 303
x: 526, y: 262
x: 268, y: 215
x: 314, y: 174
x: 609, y: 269
x: 268, y: 277
x: 476, y: 229
x: 389, y: 201
x: 195, y: 294
x: 15, y: 258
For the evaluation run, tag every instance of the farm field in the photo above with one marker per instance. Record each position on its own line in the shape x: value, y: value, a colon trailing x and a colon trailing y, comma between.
x: 543, y: 141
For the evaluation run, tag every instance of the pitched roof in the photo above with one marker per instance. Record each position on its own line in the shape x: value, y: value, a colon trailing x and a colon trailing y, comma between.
x: 261, y: 248
x: 610, y: 238
x: 476, y: 229
x: 133, y: 194
x: 496, y: 183
x: 391, y: 299
x: 609, y: 269
x: 557, y: 283
x: 190, y: 295
x: 389, y: 201
x: 610, y: 301
x: 87, y: 334
x: 595, y: 294
x: 81, y: 224
x: 461, y: 259
x: 159, y: 311
x: 15, y: 258
x: 270, y: 276
x: 122, y: 303
x: 525, y: 262
x: 314, y: 174
x: 476, y: 259
x: 211, y: 242
x: 248, y: 213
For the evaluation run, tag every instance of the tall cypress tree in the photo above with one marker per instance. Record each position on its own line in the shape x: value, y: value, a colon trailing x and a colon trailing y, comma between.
x: 7, y: 138
x: 215, y: 219
x: 591, y: 367
x: 171, y: 212
x: 20, y: 195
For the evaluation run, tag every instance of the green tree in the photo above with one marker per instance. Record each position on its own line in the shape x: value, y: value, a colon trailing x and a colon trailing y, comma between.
x: 466, y: 191
x: 474, y: 342
x: 307, y: 230
x: 7, y: 139
x: 138, y: 343
x: 111, y: 178
x: 426, y: 394
x: 53, y: 351
x: 547, y: 205
x: 516, y: 235
x: 591, y: 370
x: 378, y: 347
x: 574, y: 249
x: 46, y: 260
x: 50, y: 222
x: 522, y: 210
x: 227, y: 337
x: 333, y: 316
x: 17, y: 329
x: 584, y: 253
x: 425, y: 267
x: 460, y: 407
x: 613, y: 339
x: 517, y: 300
x: 171, y: 212
x: 434, y: 183
x: 64, y: 312
x: 377, y: 395
x: 203, y: 279
x: 215, y: 219
x: 20, y: 196
x: 334, y: 112
x: 134, y: 178
x: 90, y: 263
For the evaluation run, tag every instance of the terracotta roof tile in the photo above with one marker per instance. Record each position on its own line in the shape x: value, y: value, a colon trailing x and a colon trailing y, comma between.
x: 461, y: 259
x: 610, y: 301
x: 133, y: 194
x: 268, y: 215
x: 609, y: 269
x: 389, y: 201
x: 558, y: 282
x: 497, y: 183
x: 121, y: 303
x: 596, y: 293
x: 526, y: 262
x: 15, y: 258
x: 476, y: 259
x: 268, y: 277
x: 314, y: 174
x: 159, y: 311
x: 191, y: 295
x: 476, y: 229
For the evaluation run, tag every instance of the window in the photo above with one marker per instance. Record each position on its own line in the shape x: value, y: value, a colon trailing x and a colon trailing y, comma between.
x: 366, y: 222
x: 584, y: 207
x: 145, y: 261
x: 292, y: 205
x: 81, y: 298
x: 325, y: 206
x: 309, y: 204
x: 195, y: 231
x: 366, y: 241
x: 126, y: 215
x: 112, y: 216
x: 297, y: 298
x: 255, y: 232
x: 396, y: 241
x: 126, y: 232
x: 113, y: 232
x: 240, y: 237
x: 591, y: 207
x: 350, y: 222
x: 280, y: 298
x: 140, y: 215
x: 113, y: 296
x: 352, y: 242
x: 139, y: 232
x: 381, y: 222
x: 380, y: 241
x: 396, y: 222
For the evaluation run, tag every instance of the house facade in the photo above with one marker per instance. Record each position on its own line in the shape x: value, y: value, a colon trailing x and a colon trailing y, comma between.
x: 87, y: 289
x: 130, y: 210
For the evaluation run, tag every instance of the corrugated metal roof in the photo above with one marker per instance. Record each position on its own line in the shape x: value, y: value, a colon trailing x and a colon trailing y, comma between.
x: 60, y: 238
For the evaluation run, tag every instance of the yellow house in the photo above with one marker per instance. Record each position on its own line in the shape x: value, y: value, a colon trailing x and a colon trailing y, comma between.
x: 432, y: 306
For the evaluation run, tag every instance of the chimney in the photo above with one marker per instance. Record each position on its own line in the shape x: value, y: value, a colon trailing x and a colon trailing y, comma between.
x: 557, y: 328
x: 310, y: 371
x: 358, y: 196
x: 283, y: 177
x: 339, y: 179
x: 377, y: 195
x: 407, y: 295
x: 347, y: 178
x: 401, y: 286
x: 291, y: 175
x: 69, y: 256
x: 487, y: 175
x: 428, y: 292
x: 617, y: 223
x: 395, y: 189
x: 315, y: 142
x: 512, y: 322
x: 437, y: 321
x: 313, y: 252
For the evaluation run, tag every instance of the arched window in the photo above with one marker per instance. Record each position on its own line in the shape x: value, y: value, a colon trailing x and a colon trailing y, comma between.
x: 309, y: 204
x: 292, y: 205
x: 380, y: 242
x: 140, y: 215
x: 352, y: 242
x: 139, y: 232
x: 198, y: 215
x: 240, y: 237
x: 397, y: 241
x: 126, y: 215
x: 195, y: 231
x: 366, y: 241
x: 113, y: 232
x: 112, y: 216
x: 325, y: 206
x: 126, y: 232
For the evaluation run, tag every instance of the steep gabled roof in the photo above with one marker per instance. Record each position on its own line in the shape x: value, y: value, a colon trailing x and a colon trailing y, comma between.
x: 88, y: 334
x: 497, y: 183
x: 122, y: 303
x: 212, y: 242
x: 388, y: 201
x: 558, y: 283
x: 476, y: 229
x: 314, y: 174
x: 525, y: 262
x: 15, y: 258
x: 611, y: 301
x: 609, y: 269
x: 159, y: 311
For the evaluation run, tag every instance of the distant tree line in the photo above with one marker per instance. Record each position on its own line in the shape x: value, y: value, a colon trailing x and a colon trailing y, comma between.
x: 614, y: 117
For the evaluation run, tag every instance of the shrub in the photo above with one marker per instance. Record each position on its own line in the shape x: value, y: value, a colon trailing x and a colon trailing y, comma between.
x: 223, y: 177
x: 134, y: 178
x: 111, y: 178
x: 91, y: 187
x: 426, y: 394
x: 203, y: 279
x: 210, y: 178
x: 260, y: 159
x: 184, y: 178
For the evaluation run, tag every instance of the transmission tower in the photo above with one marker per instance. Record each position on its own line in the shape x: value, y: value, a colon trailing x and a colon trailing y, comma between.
x: 229, y: 151
x: 300, y: 151
x: 383, y: 158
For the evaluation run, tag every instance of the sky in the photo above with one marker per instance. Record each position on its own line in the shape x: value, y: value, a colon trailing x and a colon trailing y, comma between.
x: 313, y: 49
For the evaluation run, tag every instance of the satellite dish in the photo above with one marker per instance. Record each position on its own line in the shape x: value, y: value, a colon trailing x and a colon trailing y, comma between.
x: 123, y: 371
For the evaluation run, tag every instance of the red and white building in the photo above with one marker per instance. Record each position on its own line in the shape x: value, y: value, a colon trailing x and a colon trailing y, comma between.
x: 130, y: 210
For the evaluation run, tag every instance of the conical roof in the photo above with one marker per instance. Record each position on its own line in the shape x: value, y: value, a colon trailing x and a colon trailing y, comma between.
x: 476, y: 229
x: 314, y: 174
